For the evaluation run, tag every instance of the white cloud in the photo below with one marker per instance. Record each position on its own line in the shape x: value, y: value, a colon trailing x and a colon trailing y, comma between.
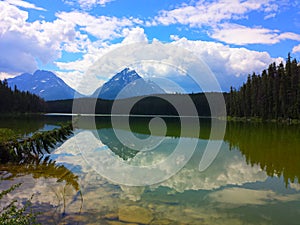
x: 230, y: 65
x: 72, y: 78
x: 134, y: 35
x: 6, y: 75
x: 24, y: 4
x: 94, y: 51
x: 242, y: 35
x: 296, y: 49
x: 30, y: 41
x: 212, y: 13
x: 102, y: 27
x: 216, y: 15
x: 228, y: 61
x: 243, y: 196
x: 174, y: 37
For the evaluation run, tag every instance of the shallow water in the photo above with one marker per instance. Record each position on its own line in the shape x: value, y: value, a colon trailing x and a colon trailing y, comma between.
x: 92, y: 177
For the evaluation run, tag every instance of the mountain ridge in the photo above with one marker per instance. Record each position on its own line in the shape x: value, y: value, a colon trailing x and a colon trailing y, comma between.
x: 126, y: 83
x: 44, y: 84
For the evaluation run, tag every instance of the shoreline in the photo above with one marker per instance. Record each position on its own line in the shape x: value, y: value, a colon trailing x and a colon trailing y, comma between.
x: 287, y: 121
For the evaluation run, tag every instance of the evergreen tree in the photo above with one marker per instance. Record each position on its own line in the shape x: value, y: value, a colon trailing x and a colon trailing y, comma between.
x: 274, y: 94
x: 15, y: 101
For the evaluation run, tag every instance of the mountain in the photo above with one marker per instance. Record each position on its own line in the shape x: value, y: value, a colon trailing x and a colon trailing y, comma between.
x: 44, y: 84
x: 125, y: 84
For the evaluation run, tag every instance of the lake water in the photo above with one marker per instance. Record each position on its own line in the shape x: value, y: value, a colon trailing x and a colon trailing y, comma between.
x: 96, y: 177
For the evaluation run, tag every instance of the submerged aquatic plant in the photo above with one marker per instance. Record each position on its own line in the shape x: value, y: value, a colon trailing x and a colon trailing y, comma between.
x: 11, y: 214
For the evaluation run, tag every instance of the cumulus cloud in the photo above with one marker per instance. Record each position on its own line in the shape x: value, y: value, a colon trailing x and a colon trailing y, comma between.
x: 242, y: 35
x: 43, y: 41
x: 94, y: 51
x: 29, y: 42
x: 134, y: 35
x: 72, y: 78
x: 226, y: 62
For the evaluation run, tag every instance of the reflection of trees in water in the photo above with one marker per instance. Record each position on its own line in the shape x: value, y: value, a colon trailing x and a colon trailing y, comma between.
x: 27, y: 124
x: 275, y: 147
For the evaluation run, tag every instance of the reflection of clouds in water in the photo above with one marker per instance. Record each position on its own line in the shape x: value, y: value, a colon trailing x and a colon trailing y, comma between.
x: 56, y: 195
x: 295, y: 186
x: 229, y: 168
x: 242, y: 196
x: 101, y: 196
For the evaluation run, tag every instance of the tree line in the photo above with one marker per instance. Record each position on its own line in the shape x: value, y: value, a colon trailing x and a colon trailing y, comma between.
x: 273, y: 94
x: 16, y: 101
x: 161, y: 104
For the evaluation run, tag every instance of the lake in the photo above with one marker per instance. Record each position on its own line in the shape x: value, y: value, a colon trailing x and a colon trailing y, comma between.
x: 106, y: 173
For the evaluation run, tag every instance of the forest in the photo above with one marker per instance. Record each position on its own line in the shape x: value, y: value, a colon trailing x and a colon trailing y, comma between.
x: 16, y: 101
x: 275, y: 94
x: 162, y: 104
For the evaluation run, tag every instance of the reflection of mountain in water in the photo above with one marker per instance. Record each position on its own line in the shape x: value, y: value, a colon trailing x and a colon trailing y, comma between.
x: 108, y: 138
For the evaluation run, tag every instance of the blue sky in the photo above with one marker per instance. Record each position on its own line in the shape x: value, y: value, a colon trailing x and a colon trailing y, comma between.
x: 233, y: 37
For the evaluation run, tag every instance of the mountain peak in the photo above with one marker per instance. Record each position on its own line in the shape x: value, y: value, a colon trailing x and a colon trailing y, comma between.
x: 127, y: 70
x: 44, y: 84
x: 125, y: 84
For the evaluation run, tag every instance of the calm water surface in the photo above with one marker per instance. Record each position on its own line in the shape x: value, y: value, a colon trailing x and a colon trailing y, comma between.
x: 253, y: 180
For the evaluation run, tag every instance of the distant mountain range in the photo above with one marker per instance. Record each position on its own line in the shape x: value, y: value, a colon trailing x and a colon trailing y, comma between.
x: 44, y: 84
x: 47, y: 85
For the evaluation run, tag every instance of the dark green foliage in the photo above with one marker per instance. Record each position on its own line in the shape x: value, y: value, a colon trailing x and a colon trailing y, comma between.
x: 15, y: 101
x: 162, y: 104
x: 6, y: 135
x: 18, y: 150
x: 275, y: 94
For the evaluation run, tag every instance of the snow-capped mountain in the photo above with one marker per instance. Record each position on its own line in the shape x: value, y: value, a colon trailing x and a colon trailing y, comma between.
x: 125, y: 84
x: 44, y: 84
